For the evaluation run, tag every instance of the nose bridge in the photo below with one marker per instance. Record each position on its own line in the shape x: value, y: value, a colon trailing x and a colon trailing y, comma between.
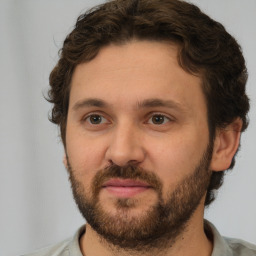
x: 125, y: 145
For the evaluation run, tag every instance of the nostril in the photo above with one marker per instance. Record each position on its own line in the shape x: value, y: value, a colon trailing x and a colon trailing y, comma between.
x: 110, y: 162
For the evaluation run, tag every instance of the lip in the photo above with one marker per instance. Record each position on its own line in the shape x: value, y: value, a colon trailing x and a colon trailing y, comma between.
x: 125, y: 188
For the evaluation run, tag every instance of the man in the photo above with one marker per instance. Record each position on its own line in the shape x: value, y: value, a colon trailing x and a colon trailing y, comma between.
x: 150, y: 99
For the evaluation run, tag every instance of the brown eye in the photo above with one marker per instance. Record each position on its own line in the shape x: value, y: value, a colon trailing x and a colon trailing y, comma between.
x: 96, y: 119
x: 158, y: 119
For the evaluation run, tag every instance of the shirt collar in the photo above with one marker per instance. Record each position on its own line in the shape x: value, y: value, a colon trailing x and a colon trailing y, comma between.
x: 220, y: 246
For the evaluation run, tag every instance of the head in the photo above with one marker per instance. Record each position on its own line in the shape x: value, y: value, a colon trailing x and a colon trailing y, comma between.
x: 204, y: 50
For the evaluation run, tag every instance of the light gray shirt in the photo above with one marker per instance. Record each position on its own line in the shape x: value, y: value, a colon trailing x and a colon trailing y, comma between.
x: 222, y: 246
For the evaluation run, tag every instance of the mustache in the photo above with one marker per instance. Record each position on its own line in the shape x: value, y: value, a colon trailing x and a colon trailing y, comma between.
x: 129, y: 171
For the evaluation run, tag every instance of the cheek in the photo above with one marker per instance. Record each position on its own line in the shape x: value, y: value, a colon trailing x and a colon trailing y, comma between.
x: 177, y: 157
x: 85, y: 154
x: 83, y: 166
x: 84, y: 159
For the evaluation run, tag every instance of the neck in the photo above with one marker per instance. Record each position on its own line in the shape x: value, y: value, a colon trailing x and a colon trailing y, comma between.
x: 191, y: 242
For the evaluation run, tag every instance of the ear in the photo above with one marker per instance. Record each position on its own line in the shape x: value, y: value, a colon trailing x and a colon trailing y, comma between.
x: 226, y: 144
x: 65, y: 161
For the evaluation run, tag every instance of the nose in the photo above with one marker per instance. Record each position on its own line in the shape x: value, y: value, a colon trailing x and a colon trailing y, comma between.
x: 125, y: 146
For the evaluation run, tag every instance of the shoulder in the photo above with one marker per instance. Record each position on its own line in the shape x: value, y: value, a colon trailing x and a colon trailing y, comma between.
x: 241, y: 247
x: 228, y: 246
x: 65, y: 248
x: 54, y: 250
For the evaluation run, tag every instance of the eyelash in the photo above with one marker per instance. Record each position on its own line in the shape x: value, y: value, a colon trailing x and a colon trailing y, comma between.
x: 152, y: 115
x: 149, y: 117
x: 86, y: 118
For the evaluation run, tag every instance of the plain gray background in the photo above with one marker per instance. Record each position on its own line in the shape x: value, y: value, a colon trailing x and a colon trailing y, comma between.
x: 37, y: 208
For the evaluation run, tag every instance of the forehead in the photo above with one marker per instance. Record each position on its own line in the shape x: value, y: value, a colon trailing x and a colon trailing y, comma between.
x: 134, y: 72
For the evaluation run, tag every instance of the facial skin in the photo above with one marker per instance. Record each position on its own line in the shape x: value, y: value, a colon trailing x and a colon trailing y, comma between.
x: 133, y: 104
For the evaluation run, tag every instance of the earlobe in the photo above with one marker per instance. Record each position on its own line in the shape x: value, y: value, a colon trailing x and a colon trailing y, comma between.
x: 226, y: 144
x: 65, y: 162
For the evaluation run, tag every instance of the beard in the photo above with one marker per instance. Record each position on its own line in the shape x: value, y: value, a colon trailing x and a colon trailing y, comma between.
x: 160, y: 225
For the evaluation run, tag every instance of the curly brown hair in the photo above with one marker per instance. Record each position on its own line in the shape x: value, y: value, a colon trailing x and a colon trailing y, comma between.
x: 206, y: 49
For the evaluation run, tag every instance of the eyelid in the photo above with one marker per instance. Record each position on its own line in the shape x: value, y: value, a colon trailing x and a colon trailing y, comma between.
x: 108, y: 119
x: 99, y: 113
x: 151, y: 114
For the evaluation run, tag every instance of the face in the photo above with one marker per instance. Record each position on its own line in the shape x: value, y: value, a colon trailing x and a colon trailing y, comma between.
x: 137, y: 142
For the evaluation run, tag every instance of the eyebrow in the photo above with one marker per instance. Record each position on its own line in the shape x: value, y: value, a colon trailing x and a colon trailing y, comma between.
x: 91, y: 102
x: 151, y: 103
x: 148, y: 103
